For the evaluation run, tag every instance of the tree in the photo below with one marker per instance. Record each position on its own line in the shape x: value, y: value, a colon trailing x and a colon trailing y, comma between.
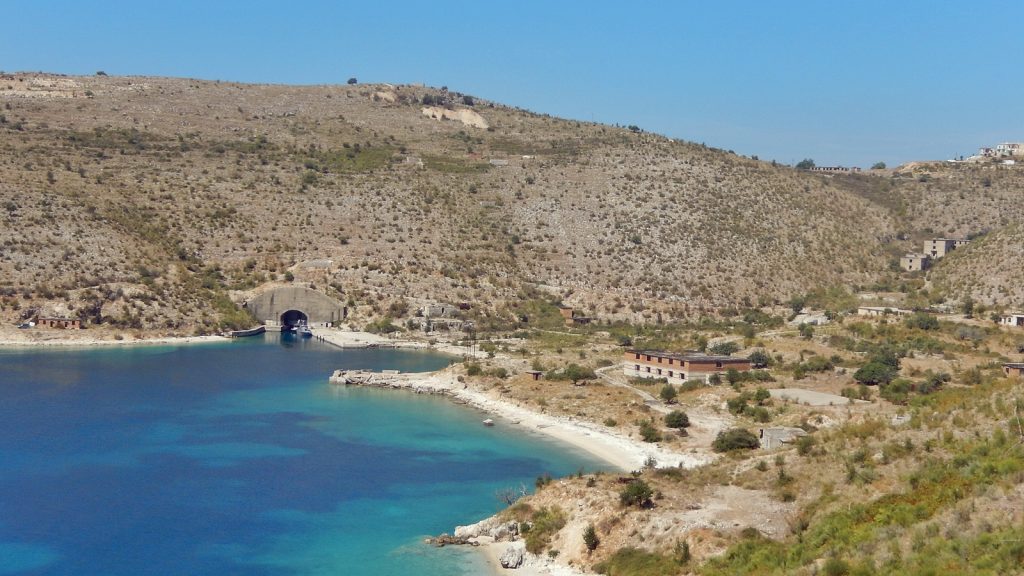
x: 590, y: 538
x: 922, y: 321
x: 761, y: 395
x: 875, y: 372
x: 967, y: 307
x: 797, y: 303
x: 805, y: 164
x: 724, y: 348
x: 352, y: 80
x: 637, y: 493
x: 732, y: 376
x: 677, y: 419
x: 575, y: 373
x: 468, y: 100
x: 878, y: 166
x: 648, y: 432
x: 735, y: 439
x: 806, y: 330
x: 759, y: 359
x: 668, y: 393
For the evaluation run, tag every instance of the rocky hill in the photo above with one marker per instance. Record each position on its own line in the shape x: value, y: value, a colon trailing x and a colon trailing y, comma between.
x: 155, y: 202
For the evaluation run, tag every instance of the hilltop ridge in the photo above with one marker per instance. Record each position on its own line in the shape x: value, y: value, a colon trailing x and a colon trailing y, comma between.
x: 149, y: 202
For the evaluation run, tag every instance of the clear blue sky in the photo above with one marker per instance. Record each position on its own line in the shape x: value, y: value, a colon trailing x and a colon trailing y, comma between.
x: 841, y: 82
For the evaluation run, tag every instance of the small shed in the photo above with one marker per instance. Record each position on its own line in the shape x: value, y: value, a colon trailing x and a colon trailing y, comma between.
x: 772, y: 438
x: 61, y: 323
x: 1013, y: 369
x: 535, y: 374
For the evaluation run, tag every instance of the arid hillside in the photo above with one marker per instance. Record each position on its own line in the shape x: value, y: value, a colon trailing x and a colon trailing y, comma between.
x: 149, y: 202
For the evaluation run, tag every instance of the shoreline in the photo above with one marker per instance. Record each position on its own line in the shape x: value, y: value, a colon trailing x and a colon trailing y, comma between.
x: 620, y: 452
x: 9, y: 343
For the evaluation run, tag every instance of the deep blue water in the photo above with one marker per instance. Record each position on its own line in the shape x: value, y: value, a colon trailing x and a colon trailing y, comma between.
x: 240, y: 458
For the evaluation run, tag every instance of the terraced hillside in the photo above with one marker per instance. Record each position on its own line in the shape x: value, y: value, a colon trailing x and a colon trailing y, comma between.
x: 148, y: 202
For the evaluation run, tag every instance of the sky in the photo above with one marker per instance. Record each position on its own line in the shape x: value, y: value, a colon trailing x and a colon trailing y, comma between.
x: 843, y: 83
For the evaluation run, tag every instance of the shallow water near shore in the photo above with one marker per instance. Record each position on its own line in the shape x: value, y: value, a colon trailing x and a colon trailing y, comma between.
x: 240, y: 458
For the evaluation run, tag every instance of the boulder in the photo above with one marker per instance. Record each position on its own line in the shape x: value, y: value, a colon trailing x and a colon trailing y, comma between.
x: 512, y: 557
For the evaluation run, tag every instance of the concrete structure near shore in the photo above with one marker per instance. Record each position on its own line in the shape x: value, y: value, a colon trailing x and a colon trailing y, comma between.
x: 286, y: 304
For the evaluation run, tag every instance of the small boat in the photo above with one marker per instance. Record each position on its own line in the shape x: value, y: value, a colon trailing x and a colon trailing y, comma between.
x: 488, y: 422
x: 303, y: 331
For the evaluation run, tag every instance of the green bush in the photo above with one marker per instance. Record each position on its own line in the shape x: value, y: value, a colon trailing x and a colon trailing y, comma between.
x: 735, y: 439
x: 382, y: 326
x: 473, y: 369
x: 546, y: 522
x: 590, y: 538
x: 631, y: 561
x: 691, y: 385
x: 649, y: 433
x: 668, y: 393
x: 724, y: 348
x: 875, y: 373
x: 636, y: 493
x: 677, y: 419
x: 922, y: 321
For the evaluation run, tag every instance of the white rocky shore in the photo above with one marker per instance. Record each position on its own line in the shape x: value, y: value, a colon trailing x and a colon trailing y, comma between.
x: 622, y: 453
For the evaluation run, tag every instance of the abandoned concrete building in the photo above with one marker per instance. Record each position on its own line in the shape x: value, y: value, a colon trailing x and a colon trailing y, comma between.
x: 438, y: 310
x: 1013, y: 369
x: 678, y: 368
x: 62, y: 323
x: 1014, y: 319
x: 915, y: 262
x: 882, y: 311
x: 939, y: 247
x: 571, y: 316
x: 772, y: 438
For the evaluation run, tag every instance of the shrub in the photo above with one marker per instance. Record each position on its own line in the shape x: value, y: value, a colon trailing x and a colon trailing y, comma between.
x: 546, y: 522
x: 724, y: 348
x: 473, y: 369
x: 874, y: 372
x: 804, y: 445
x: 636, y: 493
x: 382, y: 326
x: 668, y: 393
x: 677, y: 419
x: 590, y: 538
x: 691, y: 385
x: 735, y: 439
x: 631, y: 561
x: 649, y: 433
x: 835, y: 567
x: 759, y: 358
x: 922, y: 321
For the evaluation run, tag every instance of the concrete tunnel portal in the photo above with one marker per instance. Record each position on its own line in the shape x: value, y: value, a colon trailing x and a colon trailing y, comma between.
x: 287, y: 305
x: 294, y: 318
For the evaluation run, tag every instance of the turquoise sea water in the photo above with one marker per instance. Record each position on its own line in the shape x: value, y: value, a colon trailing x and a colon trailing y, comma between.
x: 239, y: 458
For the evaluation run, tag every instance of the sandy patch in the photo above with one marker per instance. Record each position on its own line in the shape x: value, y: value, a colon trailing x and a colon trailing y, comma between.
x: 467, y: 117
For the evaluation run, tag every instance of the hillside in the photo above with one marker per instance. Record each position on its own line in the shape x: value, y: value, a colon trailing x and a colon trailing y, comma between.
x: 147, y: 202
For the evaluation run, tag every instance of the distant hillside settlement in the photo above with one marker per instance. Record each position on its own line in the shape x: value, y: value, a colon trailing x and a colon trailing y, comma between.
x: 1007, y: 152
